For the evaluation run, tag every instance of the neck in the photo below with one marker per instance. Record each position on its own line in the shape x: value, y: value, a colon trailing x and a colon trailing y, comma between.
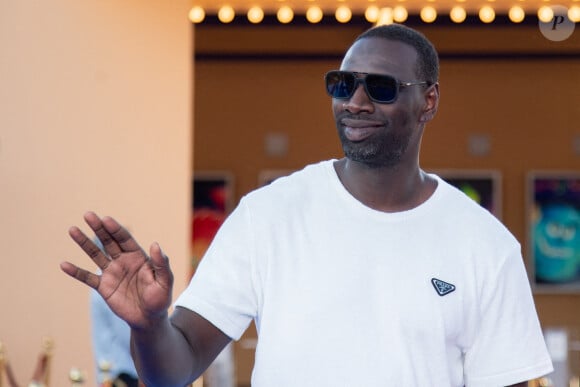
x: 388, y: 189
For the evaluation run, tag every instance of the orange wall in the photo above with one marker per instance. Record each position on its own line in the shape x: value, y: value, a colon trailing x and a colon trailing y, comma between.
x: 528, y: 107
x: 95, y: 113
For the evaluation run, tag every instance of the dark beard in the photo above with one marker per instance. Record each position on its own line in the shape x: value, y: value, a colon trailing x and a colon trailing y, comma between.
x: 374, y: 152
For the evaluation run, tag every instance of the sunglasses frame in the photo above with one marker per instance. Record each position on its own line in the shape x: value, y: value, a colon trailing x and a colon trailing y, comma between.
x: 362, y: 78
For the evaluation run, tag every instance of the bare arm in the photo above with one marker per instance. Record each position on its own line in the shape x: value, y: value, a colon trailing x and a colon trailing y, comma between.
x: 199, y: 344
x: 138, y: 288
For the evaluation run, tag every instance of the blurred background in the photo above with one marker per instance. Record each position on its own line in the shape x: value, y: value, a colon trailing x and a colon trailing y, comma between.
x: 118, y: 106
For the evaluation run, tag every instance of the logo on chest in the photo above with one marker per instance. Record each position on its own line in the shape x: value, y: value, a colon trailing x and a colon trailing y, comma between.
x: 441, y: 287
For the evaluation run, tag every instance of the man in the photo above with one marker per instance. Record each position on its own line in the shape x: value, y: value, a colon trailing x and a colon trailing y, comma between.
x: 364, y: 271
x: 111, y: 343
x: 111, y: 346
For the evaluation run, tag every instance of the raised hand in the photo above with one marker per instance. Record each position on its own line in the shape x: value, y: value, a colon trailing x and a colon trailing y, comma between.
x: 136, y: 286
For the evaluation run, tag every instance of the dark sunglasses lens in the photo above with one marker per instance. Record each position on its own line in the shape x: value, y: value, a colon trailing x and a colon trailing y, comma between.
x: 340, y: 85
x: 382, y: 88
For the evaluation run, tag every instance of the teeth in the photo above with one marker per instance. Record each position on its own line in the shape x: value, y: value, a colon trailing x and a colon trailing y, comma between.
x: 356, y: 134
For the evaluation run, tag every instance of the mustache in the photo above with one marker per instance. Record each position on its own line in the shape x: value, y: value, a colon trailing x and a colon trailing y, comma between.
x: 353, y: 116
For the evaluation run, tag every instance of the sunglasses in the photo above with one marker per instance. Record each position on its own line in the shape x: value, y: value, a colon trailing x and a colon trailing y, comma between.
x: 379, y: 88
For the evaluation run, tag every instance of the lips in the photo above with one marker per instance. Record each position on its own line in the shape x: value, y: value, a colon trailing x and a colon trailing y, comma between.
x: 358, y: 130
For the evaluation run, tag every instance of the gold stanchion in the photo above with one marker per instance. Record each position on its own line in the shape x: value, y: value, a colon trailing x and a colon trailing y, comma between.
x: 76, y: 377
x: 41, y: 376
x: 541, y: 382
x: 2, y: 367
x: 105, y: 370
x: 5, y: 369
x: 47, y: 347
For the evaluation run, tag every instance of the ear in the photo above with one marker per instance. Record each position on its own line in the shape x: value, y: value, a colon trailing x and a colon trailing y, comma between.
x: 431, y: 103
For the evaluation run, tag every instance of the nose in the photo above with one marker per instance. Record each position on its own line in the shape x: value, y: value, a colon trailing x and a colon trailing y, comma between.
x: 359, y: 101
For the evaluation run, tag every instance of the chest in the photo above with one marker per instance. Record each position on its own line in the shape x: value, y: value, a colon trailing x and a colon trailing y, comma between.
x: 411, y: 294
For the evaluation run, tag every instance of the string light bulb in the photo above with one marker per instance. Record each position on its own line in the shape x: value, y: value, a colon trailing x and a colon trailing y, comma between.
x: 343, y: 14
x: 255, y: 15
x: 545, y: 14
x: 486, y: 14
x: 574, y: 13
x: 385, y: 16
x: 196, y: 14
x: 516, y: 14
x: 457, y: 14
x: 400, y: 14
x: 428, y: 14
x: 314, y: 14
x: 285, y: 14
x: 372, y: 14
x: 226, y: 14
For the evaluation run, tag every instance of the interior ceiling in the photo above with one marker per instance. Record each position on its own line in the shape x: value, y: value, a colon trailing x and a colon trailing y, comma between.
x: 359, y: 6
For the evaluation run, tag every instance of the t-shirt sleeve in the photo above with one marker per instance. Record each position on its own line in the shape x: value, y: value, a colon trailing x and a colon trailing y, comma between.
x: 509, y: 346
x: 222, y: 288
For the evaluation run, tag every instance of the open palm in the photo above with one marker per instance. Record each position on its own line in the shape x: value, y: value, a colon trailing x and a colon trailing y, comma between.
x: 137, y: 287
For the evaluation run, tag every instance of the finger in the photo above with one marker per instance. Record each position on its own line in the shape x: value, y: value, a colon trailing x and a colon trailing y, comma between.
x: 81, y: 275
x: 160, y: 263
x: 89, y: 247
x: 109, y: 244
x: 120, y: 235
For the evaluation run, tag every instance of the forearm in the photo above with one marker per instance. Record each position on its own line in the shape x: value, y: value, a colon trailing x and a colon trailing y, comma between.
x: 162, y: 355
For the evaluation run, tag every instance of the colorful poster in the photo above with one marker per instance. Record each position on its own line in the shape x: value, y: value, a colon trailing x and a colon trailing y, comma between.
x: 212, y: 200
x: 483, y: 186
x: 554, y: 226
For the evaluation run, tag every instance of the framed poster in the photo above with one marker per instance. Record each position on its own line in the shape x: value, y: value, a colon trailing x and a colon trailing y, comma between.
x: 483, y: 186
x: 212, y: 201
x: 553, y: 220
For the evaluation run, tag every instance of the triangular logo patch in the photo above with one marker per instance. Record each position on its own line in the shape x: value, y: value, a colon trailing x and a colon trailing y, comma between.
x: 442, y: 287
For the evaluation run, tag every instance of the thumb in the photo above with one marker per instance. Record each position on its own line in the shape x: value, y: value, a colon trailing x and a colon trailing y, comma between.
x: 160, y: 262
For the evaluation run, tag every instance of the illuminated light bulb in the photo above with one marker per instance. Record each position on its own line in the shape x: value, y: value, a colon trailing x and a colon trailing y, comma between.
x: 457, y: 14
x: 255, y: 15
x: 516, y: 14
x: 372, y: 14
x: 486, y: 14
x: 343, y: 14
x: 545, y: 14
x: 285, y: 14
x: 196, y: 14
x: 314, y: 14
x: 226, y: 14
x: 574, y: 13
x: 400, y: 14
x: 385, y: 16
x: 428, y: 14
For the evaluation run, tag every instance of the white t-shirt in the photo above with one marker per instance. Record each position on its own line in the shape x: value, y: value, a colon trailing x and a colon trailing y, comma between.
x: 344, y: 295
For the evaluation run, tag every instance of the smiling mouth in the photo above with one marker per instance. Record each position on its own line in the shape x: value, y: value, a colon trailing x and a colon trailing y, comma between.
x: 358, y: 134
x: 359, y: 130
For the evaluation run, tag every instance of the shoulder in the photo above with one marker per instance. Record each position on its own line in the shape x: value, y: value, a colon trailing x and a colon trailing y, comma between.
x: 470, y: 214
x: 461, y: 200
x: 292, y: 186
